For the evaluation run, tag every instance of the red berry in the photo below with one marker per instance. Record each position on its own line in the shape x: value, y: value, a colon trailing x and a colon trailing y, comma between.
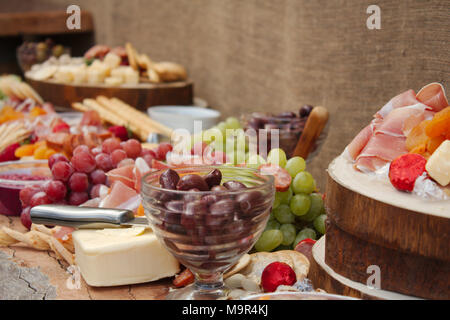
x: 133, y: 148
x: 275, y: 274
x: 119, y: 131
x: 77, y: 198
x: 62, y: 170
x: 40, y: 198
x: 83, y: 162
x: 405, y: 169
x: 55, y: 190
x: 78, y: 182
x: 25, y: 217
x: 104, y: 162
x: 117, y: 156
x: 27, y: 193
x: 162, y: 150
x: 8, y: 153
x: 110, y: 144
x: 55, y: 158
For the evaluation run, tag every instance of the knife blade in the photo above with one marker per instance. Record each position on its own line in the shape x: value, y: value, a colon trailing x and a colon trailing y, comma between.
x: 85, y: 217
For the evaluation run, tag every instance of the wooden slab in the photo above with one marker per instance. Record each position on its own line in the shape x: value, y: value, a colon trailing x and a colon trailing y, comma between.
x: 324, y: 277
x: 141, y: 96
x: 41, y: 23
x: 30, y: 274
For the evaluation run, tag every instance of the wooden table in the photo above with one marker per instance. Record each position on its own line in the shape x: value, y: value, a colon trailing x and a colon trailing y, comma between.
x: 27, y: 273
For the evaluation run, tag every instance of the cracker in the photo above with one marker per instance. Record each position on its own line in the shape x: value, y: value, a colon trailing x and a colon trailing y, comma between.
x: 132, y: 56
x: 241, y: 264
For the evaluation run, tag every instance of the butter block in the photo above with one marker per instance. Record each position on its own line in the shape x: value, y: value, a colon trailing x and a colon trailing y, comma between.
x: 113, y: 257
x: 438, y: 165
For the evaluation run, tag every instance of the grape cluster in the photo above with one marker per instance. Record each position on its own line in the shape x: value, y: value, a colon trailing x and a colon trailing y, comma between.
x: 297, y: 213
x: 81, y: 178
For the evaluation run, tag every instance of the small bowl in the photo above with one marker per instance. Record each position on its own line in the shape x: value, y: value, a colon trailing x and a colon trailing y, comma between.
x: 208, y: 231
x: 183, y: 117
x: 10, y: 187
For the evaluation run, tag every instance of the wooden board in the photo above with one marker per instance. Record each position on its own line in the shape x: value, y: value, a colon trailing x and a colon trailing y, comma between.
x: 141, y: 96
x: 324, y: 277
x: 411, y: 247
x: 31, y: 274
x: 41, y: 23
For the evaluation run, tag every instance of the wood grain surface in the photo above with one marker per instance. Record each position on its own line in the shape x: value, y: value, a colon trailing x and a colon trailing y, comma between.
x: 30, y: 274
x: 141, y: 97
x: 277, y: 55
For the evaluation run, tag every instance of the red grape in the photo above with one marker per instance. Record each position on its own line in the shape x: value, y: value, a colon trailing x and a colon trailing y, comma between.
x: 125, y: 162
x: 162, y: 150
x: 81, y: 148
x: 83, y: 162
x: 25, y: 217
x: 133, y: 148
x: 40, y: 198
x: 55, y: 190
x: 62, y: 170
x: 55, y: 158
x: 98, y: 177
x: 95, y: 151
x: 104, y: 162
x: 77, y: 198
x: 148, y: 158
x: 27, y: 193
x: 117, y: 156
x: 79, y: 182
x: 110, y: 144
x: 95, y: 191
x: 149, y: 152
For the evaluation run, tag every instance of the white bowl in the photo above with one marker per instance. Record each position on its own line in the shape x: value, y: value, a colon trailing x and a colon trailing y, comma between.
x: 183, y: 117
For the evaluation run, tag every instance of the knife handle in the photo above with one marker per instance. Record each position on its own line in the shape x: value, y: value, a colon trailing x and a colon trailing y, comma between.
x: 79, y: 217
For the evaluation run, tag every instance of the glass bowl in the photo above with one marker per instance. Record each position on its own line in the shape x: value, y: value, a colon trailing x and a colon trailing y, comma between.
x: 208, y: 231
x: 16, y: 175
x: 290, y: 131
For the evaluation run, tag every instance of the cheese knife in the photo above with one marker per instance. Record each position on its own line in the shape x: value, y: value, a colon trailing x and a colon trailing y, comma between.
x: 85, y: 217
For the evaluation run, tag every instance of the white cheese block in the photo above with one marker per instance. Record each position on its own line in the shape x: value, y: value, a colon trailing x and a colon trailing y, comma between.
x: 438, y: 165
x: 112, y: 60
x: 131, y: 76
x: 112, y: 257
x: 114, y: 81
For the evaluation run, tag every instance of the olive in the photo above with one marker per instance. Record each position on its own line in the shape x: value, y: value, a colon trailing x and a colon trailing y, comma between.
x: 213, y: 178
x: 169, y: 179
x: 249, y: 200
x: 305, y: 111
x: 192, y: 181
x: 234, y: 185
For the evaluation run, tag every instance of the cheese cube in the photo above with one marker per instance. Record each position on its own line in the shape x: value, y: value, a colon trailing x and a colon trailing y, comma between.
x: 64, y: 75
x: 113, y: 257
x: 112, y: 60
x: 95, y: 76
x: 114, y: 81
x: 438, y: 165
x: 79, y: 75
x: 131, y: 76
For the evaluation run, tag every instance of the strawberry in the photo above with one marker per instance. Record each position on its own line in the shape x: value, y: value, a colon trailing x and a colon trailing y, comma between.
x: 405, y: 169
x: 8, y: 153
x: 120, y: 132
x: 276, y: 274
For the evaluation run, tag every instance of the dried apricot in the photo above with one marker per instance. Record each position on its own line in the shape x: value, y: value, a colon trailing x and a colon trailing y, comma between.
x: 439, y: 125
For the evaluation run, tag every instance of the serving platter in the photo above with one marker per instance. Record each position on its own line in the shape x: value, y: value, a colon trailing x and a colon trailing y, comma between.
x: 141, y: 96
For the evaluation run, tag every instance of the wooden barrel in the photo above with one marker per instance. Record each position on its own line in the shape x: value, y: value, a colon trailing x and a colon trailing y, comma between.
x: 141, y: 96
x: 372, y: 224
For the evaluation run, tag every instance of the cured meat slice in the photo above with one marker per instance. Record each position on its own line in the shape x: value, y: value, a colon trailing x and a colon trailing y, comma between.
x: 433, y: 95
x: 123, y: 174
x: 406, y: 98
x: 121, y: 197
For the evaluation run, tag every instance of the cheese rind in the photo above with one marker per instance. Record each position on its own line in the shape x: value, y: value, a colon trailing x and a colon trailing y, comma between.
x: 114, y: 257
x: 438, y: 165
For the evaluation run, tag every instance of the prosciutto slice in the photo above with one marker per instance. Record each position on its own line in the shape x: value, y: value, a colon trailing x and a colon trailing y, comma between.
x: 384, y: 138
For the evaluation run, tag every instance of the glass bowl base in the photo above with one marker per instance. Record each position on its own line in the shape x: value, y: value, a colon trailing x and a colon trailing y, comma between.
x: 192, y: 292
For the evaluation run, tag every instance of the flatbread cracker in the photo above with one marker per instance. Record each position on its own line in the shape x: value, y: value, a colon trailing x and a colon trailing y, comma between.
x: 241, y: 264
x: 132, y: 56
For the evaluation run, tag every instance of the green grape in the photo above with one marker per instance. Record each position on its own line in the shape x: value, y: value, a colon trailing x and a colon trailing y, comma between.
x: 254, y: 161
x: 269, y: 240
x: 283, y: 214
x: 277, y: 156
x: 315, y: 208
x: 222, y: 127
x: 300, y: 204
x: 295, y: 165
x: 272, y: 224
x: 232, y: 123
x: 289, y: 232
x: 304, y: 183
x: 305, y: 234
x: 319, y: 223
x: 286, y: 196
x: 276, y: 201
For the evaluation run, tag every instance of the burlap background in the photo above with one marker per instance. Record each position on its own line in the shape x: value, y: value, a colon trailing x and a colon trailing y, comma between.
x: 277, y: 55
